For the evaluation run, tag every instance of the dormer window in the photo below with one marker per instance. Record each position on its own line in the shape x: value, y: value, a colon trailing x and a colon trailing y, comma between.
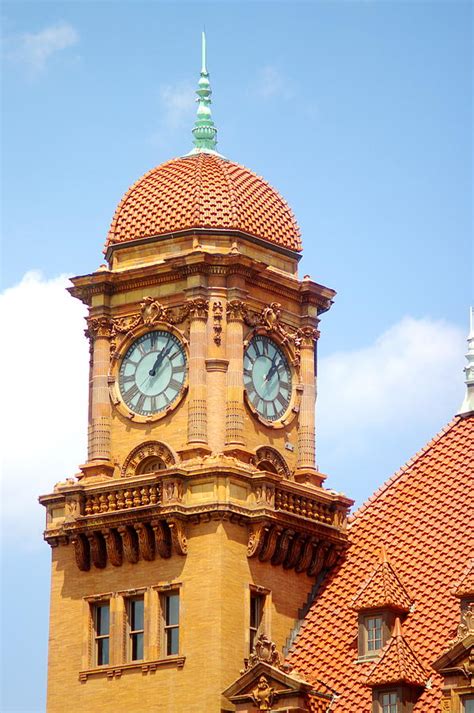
x: 388, y: 702
x: 375, y: 629
x: 374, y: 626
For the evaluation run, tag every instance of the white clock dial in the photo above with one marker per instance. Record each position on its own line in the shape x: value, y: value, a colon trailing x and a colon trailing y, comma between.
x: 152, y: 373
x: 267, y: 378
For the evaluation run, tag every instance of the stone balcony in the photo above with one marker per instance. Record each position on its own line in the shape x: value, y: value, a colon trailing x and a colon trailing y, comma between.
x: 297, y: 526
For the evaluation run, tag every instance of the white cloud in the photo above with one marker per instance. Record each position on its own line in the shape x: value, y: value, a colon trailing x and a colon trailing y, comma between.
x: 411, y: 374
x: 177, y: 102
x: 34, y: 49
x: 271, y: 83
x: 44, y: 361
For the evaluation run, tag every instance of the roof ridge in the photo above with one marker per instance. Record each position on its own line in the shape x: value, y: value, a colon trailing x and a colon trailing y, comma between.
x: 386, y: 574
x: 398, y: 473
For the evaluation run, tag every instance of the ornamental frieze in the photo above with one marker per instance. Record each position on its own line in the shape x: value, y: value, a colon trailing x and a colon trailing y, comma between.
x: 269, y: 320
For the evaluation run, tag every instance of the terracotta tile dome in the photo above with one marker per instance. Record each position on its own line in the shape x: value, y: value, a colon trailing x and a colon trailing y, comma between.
x: 203, y: 191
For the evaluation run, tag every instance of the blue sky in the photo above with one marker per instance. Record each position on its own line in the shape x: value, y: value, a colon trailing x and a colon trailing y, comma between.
x: 358, y: 112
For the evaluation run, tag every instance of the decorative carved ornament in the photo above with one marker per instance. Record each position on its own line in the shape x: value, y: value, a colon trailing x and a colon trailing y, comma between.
x: 284, y: 546
x: 217, y: 311
x: 466, y: 624
x: 151, y: 313
x: 263, y: 694
x: 145, y: 450
x: 270, y: 455
x: 269, y: 320
x: 265, y: 651
x: 129, y: 543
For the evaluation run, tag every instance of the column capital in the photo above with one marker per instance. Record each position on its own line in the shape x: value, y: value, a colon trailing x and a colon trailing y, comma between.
x: 198, y: 308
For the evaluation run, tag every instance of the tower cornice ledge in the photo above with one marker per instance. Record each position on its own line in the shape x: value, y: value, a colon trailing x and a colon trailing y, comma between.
x: 290, y: 524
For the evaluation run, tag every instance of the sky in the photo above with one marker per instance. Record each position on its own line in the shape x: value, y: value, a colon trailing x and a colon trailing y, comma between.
x: 359, y: 113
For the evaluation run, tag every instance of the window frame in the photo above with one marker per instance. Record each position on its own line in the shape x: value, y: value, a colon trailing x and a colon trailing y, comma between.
x: 132, y: 633
x: 167, y: 628
x: 387, y: 623
x: 97, y: 639
x: 406, y: 698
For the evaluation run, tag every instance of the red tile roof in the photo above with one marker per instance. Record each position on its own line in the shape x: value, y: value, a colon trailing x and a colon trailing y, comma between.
x: 423, y: 514
x: 466, y: 585
x: 383, y: 589
x: 397, y: 664
x: 203, y: 191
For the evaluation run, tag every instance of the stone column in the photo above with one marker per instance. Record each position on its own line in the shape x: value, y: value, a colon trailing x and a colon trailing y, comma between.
x: 235, y: 374
x: 100, y: 408
x: 197, y: 400
x: 306, y: 423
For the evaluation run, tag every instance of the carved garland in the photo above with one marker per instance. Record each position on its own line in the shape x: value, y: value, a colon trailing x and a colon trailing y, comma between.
x: 269, y: 320
x: 151, y: 313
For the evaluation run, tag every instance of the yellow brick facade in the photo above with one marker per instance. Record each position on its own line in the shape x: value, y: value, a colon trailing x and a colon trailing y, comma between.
x: 239, y: 505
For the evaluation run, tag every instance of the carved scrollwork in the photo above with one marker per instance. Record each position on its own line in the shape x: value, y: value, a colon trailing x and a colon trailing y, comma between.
x: 466, y: 624
x: 265, y: 495
x: 306, y: 556
x: 178, y: 536
x: 318, y: 559
x: 282, y: 546
x: 162, y: 538
x: 130, y: 543
x: 294, y: 552
x: 146, y: 541
x: 269, y: 546
x: 82, y: 552
x: 144, y: 451
x: 113, y: 544
x: 97, y: 549
x: 256, y: 538
x: 217, y: 312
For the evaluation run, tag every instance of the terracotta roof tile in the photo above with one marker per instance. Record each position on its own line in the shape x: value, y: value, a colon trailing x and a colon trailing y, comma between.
x: 203, y: 191
x: 466, y: 584
x: 397, y: 664
x: 383, y: 589
x: 435, y: 493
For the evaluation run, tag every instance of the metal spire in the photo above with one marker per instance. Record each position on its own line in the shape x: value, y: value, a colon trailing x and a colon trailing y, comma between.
x: 204, y: 131
x: 468, y: 403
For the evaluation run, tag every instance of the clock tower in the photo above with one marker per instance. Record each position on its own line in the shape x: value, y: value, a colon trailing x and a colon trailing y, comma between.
x: 199, y: 521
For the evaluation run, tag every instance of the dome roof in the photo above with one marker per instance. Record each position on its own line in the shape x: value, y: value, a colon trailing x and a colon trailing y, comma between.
x: 203, y: 190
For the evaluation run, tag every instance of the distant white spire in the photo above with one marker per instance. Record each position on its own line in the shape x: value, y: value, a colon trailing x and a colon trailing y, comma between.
x: 468, y: 403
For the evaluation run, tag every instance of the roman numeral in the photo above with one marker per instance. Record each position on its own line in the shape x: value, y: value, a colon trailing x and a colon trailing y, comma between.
x: 128, y: 379
x: 141, y: 402
x: 281, y: 400
x: 176, y: 385
x: 179, y: 369
x: 131, y: 393
x: 153, y: 403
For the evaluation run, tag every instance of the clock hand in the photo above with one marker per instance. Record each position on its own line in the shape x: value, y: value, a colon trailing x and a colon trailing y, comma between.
x: 272, y: 369
x: 159, y: 359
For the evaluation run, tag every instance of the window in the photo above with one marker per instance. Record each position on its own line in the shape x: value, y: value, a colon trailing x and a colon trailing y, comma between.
x: 135, y: 615
x: 101, y: 622
x: 374, y: 633
x: 389, y: 702
x: 257, y: 602
x: 171, y: 623
x: 468, y: 704
x: 150, y: 465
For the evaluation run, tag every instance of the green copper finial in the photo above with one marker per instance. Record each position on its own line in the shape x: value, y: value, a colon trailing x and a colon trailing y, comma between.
x: 204, y: 131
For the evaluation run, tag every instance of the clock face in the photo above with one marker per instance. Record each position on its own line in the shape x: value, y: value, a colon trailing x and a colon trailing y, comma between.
x: 152, y: 373
x: 267, y: 378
